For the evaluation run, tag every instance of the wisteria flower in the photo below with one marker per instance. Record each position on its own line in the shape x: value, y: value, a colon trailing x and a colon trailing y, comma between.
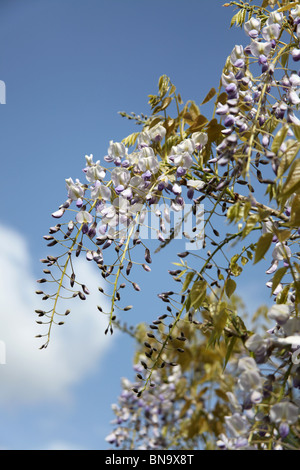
x: 296, y: 54
x: 93, y: 171
x: 181, y: 154
x: 195, y: 184
x: 281, y: 252
x: 237, y: 424
x: 237, y: 57
x: 271, y: 32
x: 143, y: 139
x: 100, y: 191
x: 157, y: 133
x: 148, y: 160
x: 199, y: 140
x: 120, y: 176
x: 84, y: 217
x: 275, y: 17
x: 295, y: 14
x: 285, y: 413
x: 280, y: 313
x: 251, y: 382
x: 75, y: 190
x: 252, y: 27
x: 116, y: 151
x: 260, y: 48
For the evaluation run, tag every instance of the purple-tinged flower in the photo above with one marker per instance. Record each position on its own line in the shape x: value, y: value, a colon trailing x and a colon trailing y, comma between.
x: 291, y: 118
x: 147, y: 175
x: 232, y: 90
x: 143, y: 139
x: 296, y: 54
x: 100, y: 191
x: 280, y: 313
x: 93, y: 171
x: 183, y: 160
x: 260, y: 48
x: 199, y: 140
x: 281, y: 252
x: 271, y: 32
x: 229, y: 120
x: 284, y: 429
x: 75, y: 190
x: 293, y: 97
x: 148, y: 160
x: 176, y: 189
x: 157, y: 133
x: 295, y: 14
x: 58, y: 214
x: 120, y: 176
x: 116, y: 150
x: 84, y: 217
x: 237, y: 424
x: 237, y: 57
x: 119, y: 189
x: 294, y: 79
x: 273, y: 267
x: 252, y: 27
x: 280, y: 109
x: 284, y: 412
x: 180, y: 171
x: 222, y: 109
x: 275, y: 17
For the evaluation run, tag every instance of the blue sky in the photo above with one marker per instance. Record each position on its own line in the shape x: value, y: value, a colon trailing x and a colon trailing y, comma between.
x: 69, y: 67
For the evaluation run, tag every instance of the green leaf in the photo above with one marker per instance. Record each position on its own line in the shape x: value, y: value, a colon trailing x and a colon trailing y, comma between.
x: 220, y: 320
x: 131, y: 139
x: 292, y: 183
x: 250, y: 224
x: 288, y: 7
x: 262, y: 246
x: 187, y: 281
x: 166, y: 101
x: 209, y: 96
x: 277, y: 277
x: 197, y: 294
x: 296, y: 130
x: 287, y: 157
x: 229, y: 350
x: 230, y: 286
x: 235, y: 269
x: 295, y: 212
x: 279, y: 138
x: 235, y: 212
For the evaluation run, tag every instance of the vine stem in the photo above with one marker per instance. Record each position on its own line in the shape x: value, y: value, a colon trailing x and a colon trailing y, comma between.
x: 120, y: 267
x: 62, y: 278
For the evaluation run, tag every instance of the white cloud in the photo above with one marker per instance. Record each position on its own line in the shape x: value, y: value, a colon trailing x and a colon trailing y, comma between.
x: 76, y: 349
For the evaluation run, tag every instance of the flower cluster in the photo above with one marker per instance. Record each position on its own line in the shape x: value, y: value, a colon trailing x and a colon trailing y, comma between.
x: 150, y: 416
x: 167, y: 161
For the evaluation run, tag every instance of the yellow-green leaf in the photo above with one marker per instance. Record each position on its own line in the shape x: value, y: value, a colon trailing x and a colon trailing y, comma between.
x: 292, y: 183
x: 277, y: 277
x: 262, y: 246
x: 295, y: 212
x: 230, y: 286
x: 197, y: 294
x: 220, y: 320
x: 209, y: 95
x: 288, y: 7
x: 187, y: 281
x: 279, y: 138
